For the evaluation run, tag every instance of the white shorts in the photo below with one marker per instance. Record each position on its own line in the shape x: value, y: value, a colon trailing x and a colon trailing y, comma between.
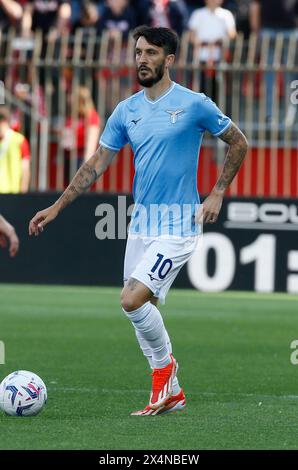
x: 156, y: 261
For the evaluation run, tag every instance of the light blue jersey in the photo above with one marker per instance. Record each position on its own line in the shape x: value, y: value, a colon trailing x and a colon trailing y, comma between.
x: 165, y: 136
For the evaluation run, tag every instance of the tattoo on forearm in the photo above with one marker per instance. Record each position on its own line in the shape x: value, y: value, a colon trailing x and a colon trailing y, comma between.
x: 84, y: 178
x: 234, y: 158
x: 86, y: 175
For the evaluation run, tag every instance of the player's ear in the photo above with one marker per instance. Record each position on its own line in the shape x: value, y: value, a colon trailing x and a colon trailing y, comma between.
x: 170, y: 59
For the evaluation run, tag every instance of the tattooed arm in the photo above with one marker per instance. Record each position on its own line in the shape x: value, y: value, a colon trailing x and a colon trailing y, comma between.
x: 84, y: 178
x: 237, y: 150
x: 238, y: 146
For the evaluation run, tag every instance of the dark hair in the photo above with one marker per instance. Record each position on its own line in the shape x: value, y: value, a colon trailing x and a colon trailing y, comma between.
x: 4, y: 113
x: 161, y: 37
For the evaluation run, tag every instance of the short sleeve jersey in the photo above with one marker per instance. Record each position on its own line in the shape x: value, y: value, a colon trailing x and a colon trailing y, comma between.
x: 165, y: 136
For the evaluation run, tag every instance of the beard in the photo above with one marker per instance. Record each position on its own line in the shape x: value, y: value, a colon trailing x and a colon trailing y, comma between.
x: 154, y: 78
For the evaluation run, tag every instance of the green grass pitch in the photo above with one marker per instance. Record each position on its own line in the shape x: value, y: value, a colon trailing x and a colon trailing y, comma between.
x: 234, y: 355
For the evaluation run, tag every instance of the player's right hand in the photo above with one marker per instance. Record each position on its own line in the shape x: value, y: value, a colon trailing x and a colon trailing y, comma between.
x: 41, y: 219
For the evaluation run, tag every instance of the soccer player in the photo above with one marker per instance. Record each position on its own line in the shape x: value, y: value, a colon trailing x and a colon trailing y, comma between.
x: 164, y: 124
x: 7, y: 232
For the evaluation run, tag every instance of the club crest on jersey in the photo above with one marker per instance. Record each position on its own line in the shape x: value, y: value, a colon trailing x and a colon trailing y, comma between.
x: 174, y: 114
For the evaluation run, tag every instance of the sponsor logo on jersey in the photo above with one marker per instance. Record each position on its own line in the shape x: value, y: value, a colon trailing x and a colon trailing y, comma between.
x: 135, y: 121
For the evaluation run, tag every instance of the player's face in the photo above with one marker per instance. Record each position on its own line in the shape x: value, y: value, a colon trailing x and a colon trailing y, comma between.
x: 150, y: 63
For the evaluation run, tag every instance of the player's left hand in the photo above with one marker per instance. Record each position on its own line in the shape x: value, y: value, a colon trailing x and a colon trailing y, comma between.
x: 209, y: 210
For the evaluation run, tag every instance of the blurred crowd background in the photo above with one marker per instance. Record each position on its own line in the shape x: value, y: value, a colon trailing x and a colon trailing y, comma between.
x: 64, y: 65
x: 28, y: 16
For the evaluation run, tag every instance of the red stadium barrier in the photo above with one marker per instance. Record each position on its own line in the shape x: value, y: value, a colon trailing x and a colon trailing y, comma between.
x: 266, y: 172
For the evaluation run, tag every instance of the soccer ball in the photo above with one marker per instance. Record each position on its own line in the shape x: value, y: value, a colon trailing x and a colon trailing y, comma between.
x: 22, y: 393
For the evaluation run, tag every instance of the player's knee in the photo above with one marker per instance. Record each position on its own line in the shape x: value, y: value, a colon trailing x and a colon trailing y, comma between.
x: 129, y: 302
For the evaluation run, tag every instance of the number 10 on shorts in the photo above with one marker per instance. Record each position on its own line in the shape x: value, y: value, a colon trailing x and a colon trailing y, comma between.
x: 163, y: 265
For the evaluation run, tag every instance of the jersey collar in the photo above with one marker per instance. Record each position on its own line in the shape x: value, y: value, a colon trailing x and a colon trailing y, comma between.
x: 161, y: 96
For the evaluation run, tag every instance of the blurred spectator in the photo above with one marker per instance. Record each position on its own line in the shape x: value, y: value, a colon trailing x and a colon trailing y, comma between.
x: 8, y: 234
x: 11, y: 13
x: 117, y: 17
x: 82, y: 133
x: 275, y: 15
x: 32, y: 96
x: 141, y: 9
x: 210, y: 26
x: 271, y: 18
x: 46, y: 15
x: 242, y: 17
x: 231, y: 5
x: 14, y: 157
x: 27, y: 89
x: 88, y: 17
x: 169, y: 14
x: 77, y: 6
